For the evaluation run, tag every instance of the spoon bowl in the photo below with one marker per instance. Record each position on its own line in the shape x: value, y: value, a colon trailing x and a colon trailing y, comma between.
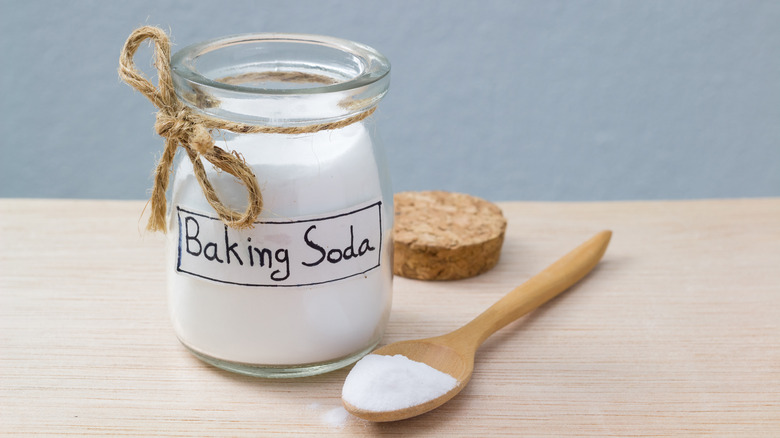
x: 435, y: 353
x: 453, y: 353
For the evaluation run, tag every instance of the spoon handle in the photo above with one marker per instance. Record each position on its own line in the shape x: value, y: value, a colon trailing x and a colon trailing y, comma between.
x: 545, y: 285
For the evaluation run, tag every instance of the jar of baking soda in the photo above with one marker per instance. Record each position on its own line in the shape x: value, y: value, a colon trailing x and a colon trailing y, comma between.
x: 280, y: 214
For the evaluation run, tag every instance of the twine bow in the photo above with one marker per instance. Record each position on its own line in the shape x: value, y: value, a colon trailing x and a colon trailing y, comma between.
x: 181, y: 127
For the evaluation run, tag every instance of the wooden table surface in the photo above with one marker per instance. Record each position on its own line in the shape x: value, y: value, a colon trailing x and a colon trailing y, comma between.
x: 676, y: 332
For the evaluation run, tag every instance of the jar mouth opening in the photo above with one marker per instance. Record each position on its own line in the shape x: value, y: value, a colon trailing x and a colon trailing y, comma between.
x: 281, y: 64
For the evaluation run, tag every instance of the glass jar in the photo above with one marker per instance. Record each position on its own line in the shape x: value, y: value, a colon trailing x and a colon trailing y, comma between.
x: 308, y: 289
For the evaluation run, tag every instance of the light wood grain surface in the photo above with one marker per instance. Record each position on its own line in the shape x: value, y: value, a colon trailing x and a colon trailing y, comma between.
x: 676, y: 332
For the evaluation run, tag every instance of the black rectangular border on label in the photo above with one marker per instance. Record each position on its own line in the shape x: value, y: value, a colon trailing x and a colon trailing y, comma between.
x: 377, y: 204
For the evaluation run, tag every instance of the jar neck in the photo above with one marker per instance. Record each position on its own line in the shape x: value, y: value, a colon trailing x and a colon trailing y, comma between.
x: 280, y: 79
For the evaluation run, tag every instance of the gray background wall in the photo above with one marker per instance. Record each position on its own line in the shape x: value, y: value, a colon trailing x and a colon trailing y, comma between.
x: 508, y: 100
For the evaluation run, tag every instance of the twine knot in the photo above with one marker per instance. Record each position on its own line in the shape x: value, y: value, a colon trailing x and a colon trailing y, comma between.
x: 182, y: 127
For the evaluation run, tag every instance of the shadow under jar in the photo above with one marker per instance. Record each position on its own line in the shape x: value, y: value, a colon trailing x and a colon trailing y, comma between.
x: 308, y: 289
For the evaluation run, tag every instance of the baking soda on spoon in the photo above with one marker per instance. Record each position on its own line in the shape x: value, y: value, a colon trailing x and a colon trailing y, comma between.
x: 380, y: 383
x: 398, y: 383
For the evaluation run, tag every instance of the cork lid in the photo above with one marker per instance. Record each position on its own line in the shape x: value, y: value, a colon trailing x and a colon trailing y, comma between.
x: 445, y: 236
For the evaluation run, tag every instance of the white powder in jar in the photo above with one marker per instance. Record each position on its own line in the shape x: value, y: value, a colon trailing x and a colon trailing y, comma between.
x: 380, y: 383
x: 300, y: 176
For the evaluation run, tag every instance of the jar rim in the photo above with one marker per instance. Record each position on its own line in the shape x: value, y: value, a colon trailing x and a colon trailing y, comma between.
x: 374, y: 67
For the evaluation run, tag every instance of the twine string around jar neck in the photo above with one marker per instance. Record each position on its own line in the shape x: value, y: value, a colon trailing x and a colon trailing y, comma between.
x: 182, y: 127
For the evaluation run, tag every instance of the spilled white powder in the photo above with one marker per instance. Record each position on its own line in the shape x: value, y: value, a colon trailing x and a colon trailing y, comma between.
x: 331, y: 416
x: 336, y: 417
x: 385, y: 383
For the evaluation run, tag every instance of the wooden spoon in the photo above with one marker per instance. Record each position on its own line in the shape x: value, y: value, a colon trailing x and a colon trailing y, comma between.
x: 453, y: 353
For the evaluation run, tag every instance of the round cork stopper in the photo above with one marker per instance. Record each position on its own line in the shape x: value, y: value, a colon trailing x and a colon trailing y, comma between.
x: 445, y: 236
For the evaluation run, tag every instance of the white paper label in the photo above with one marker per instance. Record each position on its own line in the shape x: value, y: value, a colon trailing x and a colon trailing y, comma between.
x: 295, y: 252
